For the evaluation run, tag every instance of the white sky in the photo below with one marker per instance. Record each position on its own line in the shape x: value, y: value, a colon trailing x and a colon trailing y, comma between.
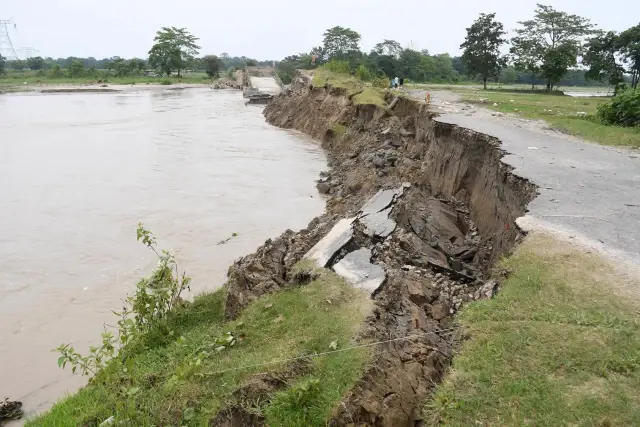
x: 271, y: 29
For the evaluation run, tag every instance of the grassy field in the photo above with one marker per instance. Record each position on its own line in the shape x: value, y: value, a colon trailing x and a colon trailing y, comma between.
x: 173, y: 388
x: 555, y: 347
x: 572, y: 115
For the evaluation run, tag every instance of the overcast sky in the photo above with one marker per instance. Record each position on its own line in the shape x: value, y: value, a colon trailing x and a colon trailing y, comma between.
x: 271, y: 29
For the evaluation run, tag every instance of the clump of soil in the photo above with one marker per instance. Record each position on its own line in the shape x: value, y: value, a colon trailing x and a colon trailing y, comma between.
x: 455, y: 218
x: 10, y: 410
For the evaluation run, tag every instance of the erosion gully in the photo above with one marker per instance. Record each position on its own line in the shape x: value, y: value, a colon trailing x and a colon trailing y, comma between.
x: 429, y: 205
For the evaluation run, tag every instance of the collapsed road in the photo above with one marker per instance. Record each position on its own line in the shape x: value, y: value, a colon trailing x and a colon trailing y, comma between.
x: 417, y: 211
x: 587, y: 191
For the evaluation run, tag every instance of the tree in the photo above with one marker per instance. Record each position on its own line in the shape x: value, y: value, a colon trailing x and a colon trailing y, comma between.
x: 56, y: 71
x: 2, y: 63
x: 174, y: 49
x: 551, y: 38
x: 508, y: 75
x: 629, y: 43
x: 601, y: 57
x: 35, y: 63
x: 76, y: 69
x: 212, y: 65
x: 339, y: 42
x: 481, y: 56
x: 388, y: 47
x: 137, y: 65
x: 526, y: 55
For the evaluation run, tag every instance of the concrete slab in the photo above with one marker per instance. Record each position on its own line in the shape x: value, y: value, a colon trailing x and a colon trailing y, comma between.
x: 325, y: 249
x: 357, y: 269
x: 378, y: 224
x: 381, y: 200
x: 265, y: 85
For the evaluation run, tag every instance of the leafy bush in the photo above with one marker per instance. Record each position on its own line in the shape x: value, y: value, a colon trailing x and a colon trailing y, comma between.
x: 363, y: 73
x: 336, y: 66
x: 166, y: 82
x: 381, y: 82
x: 623, y: 110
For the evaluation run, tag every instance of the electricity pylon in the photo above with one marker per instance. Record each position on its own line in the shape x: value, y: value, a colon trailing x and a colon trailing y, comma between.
x: 6, y: 46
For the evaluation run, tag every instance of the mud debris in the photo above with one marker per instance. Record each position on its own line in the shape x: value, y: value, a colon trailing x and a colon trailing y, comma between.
x: 10, y: 410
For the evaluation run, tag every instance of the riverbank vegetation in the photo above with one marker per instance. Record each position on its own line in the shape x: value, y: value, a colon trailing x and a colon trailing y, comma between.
x: 558, y: 345
x: 184, y: 367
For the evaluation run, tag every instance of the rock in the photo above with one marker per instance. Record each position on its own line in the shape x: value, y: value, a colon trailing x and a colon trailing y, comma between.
x: 336, y: 239
x: 357, y: 269
x: 439, y: 311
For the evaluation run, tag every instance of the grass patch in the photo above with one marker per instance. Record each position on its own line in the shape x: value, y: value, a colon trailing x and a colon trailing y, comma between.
x: 573, y: 115
x: 555, y: 347
x: 361, y: 93
x: 175, y: 389
x: 14, y: 80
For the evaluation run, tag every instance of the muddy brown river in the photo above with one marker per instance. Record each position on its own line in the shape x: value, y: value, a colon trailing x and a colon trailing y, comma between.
x: 79, y: 171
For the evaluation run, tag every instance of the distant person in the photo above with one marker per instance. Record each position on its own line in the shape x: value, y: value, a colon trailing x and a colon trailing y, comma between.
x: 395, y: 82
x: 401, y: 82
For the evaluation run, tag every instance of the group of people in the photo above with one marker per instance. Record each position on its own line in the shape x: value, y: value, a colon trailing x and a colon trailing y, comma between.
x: 397, y: 83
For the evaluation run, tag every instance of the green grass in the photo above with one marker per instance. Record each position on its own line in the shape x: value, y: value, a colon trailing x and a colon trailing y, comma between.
x: 554, y: 348
x: 299, y: 321
x: 564, y: 113
x: 361, y: 93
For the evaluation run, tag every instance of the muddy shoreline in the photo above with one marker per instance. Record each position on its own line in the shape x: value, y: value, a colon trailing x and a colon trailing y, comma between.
x: 452, y: 215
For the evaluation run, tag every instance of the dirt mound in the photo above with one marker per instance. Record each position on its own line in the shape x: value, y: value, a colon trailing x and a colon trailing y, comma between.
x: 443, y: 210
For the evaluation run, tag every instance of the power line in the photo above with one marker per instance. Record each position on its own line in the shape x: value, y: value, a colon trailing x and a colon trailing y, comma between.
x: 6, y: 46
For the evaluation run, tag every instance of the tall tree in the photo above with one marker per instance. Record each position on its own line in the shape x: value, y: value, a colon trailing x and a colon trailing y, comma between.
x: 174, y: 49
x: 2, y: 64
x: 388, y: 47
x: 629, y: 43
x: 76, y: 68
x: 339, y: 42
x: 481, y: 56
x: 35, y: 63
x: 601, y: 56
x: 212, y: 65
x: 552, y: 39
x: 526, y: 55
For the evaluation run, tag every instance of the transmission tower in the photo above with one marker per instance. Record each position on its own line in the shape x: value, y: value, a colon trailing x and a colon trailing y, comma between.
x: 6, y: 47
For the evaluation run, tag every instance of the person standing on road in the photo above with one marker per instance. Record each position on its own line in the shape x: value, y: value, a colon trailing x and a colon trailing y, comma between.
x: 395, y: 82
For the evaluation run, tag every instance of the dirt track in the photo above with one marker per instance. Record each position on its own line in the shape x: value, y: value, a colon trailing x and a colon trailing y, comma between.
x: 588, y: 191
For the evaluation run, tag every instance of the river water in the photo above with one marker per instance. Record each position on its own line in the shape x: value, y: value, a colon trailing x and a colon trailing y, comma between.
x: 79, y: 171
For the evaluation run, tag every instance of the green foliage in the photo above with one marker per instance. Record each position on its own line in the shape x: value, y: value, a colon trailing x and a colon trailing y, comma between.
x: 251, y: 63
x: 337, y: 66
x: 363, y: 73
x: 174, y: 49
x: 35, y: 63
x: 629, y: 43
x: 212, y: 65
x: 623, y: 110
x: 389, y: 48
x: 75, y: 69
x: 339, y: 42
x: 156, y: 297
x: 549, y: 43
x: 55, y: 71
x: 601, y: 57
x: 2, y: 65
x: 481, y: 56
x: 178, y: 364
x: 380, y: 82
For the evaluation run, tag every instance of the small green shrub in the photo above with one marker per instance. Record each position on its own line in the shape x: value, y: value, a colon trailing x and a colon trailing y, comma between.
x: 363, y: 73
x: 381, y: 82
x: 166, y: 82
x: 337, y: 66
x: 623, y: 110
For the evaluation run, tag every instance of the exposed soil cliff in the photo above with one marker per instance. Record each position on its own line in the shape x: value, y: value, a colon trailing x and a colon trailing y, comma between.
x: 454, y: 217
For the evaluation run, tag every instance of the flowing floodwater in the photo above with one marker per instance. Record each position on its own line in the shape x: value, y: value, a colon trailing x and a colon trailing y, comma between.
x: 79, y: 171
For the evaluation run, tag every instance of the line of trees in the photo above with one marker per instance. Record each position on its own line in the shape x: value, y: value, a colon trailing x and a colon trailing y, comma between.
x: 549, y: 45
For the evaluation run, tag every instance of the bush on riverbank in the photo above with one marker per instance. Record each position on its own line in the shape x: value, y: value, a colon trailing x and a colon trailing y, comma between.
x: 623, y: 110
x: 185, y: 378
